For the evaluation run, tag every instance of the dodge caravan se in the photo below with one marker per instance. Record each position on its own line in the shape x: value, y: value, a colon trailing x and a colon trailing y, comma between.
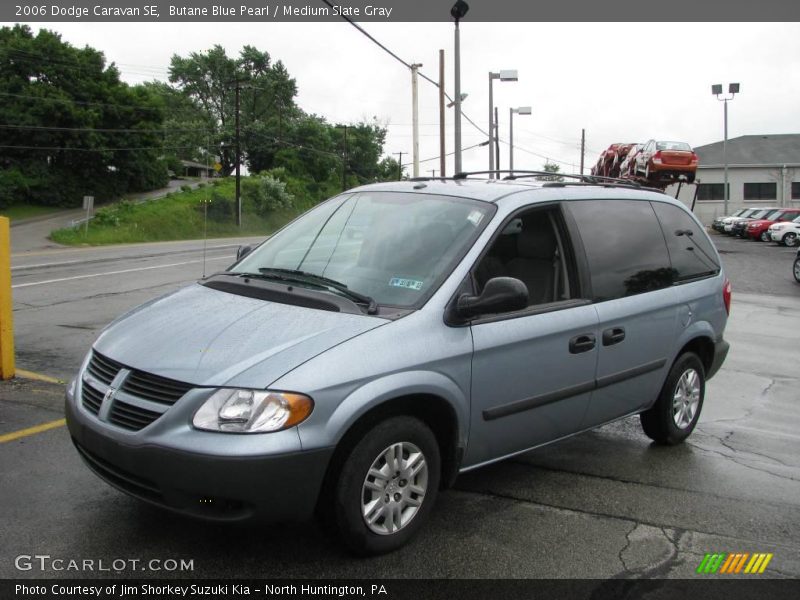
x: 397, y: 335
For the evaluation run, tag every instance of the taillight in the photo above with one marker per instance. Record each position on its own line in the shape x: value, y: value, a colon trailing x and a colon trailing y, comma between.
x: 694, y: 157
x: 726, y: 295
x: 657, y: 155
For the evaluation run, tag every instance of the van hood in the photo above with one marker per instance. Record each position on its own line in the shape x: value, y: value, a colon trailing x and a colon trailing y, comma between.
x: 209, y: 337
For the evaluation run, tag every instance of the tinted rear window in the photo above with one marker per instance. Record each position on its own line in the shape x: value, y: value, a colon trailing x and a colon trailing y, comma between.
x: 624, y: 247
x: 690, y: 250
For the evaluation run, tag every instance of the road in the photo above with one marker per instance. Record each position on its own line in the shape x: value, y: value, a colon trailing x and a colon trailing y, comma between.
x: 603, y: 504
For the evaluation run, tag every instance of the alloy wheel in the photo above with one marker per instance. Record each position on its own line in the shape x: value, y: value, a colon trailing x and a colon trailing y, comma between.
x: 686, y: 398
x: 394, y: 488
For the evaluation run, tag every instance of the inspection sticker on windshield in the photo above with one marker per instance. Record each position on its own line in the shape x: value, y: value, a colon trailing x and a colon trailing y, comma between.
x: 475, y: 217
x: 410, y: 284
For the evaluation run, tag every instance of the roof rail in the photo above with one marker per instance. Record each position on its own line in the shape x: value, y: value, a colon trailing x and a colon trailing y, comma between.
x: 521, y: 174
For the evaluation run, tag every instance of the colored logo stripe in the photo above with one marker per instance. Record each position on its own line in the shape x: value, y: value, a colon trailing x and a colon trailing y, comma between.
x: 733, y: 563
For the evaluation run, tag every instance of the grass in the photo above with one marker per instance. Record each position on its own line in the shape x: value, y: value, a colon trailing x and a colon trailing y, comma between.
x: 179, y: 216
x: 26, y: 211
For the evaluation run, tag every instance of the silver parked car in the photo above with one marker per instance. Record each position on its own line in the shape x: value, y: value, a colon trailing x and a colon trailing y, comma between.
x: 353, y: 376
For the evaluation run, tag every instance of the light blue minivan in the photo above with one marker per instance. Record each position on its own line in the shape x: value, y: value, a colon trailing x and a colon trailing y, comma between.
x: 397, y: 335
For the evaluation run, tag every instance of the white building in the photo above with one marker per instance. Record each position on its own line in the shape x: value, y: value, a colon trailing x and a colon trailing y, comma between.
x: 763, y: 170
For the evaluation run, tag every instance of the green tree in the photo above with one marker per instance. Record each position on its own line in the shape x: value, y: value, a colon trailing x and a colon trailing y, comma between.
x: 70, y: 126
x: 551, y: 168
x: 266, y: 96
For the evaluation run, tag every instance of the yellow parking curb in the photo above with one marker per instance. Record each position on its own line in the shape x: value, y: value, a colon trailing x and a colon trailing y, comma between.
x: 15, y: 435
x: 38, y: 377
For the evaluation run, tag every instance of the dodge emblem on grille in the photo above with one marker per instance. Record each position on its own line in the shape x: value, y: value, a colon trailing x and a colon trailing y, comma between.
x: 109, y: 394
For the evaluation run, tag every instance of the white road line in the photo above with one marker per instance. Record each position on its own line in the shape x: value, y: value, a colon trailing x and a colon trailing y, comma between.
x: 113, y: 258
x: 188, y: 262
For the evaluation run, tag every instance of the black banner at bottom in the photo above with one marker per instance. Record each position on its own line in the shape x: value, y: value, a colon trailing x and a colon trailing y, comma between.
x: 733, y: 588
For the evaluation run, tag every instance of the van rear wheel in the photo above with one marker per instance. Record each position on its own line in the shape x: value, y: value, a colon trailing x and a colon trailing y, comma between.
x: 387, y: 486
x: 674, y: 415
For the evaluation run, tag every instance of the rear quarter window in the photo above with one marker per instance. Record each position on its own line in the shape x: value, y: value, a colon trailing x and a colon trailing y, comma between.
x: 690, y: 251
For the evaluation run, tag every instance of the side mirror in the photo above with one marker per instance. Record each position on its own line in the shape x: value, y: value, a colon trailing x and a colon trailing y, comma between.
x: 499, y: 295
x: 243, y: 251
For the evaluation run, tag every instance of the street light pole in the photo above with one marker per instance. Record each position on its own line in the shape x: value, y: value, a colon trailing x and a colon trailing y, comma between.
x: 458, y: 11
x: 733, y: 89
x: 415, y: 119
x: 522, y: 110
x: 507, y: 75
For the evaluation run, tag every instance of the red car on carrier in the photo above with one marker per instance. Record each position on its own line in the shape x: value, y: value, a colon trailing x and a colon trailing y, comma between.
x: 667, y: 161
x: 759, y: 229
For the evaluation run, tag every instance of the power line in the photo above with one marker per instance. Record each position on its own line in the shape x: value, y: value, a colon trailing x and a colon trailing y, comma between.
x: 98, y: 130
x: 453, y: 152
x: 404, y: 63
x: 62, y: 148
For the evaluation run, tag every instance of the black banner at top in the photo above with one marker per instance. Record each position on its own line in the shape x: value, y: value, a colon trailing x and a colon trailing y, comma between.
x: 397, y: 10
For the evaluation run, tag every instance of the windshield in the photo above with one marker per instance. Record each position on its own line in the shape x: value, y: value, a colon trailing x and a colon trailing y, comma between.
x: 679, y: 146
x: 393, y: 247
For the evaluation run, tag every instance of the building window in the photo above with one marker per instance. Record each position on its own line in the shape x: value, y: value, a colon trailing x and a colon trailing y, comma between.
x: 796, y: 190
x: 711, y: 191
x: 760, y: 191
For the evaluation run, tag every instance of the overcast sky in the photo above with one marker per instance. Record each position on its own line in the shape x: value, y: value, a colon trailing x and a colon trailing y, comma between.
x: 624, y: 82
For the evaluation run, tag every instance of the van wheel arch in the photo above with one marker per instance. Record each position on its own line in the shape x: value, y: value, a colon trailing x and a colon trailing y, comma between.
x: 703, y: 347
x: 432, y: 410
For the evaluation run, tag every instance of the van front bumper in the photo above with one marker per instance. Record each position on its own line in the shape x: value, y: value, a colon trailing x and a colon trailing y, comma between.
x: 269, y: 487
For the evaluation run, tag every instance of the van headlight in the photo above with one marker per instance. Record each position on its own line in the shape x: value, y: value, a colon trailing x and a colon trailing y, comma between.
x: 252, y: 411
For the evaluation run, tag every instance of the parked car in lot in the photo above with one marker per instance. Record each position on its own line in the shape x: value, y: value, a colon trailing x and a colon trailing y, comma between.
x: 758, y: 228
x: 785, y: 233
x: 353, y: 376
x: 728, y: 222
x: 738, y: 225
x: 796, y: 267
x: 667, y: 160
x: 718, y: 224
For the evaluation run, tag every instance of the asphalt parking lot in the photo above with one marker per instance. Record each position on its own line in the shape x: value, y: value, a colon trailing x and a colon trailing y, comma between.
x: 603, y: 504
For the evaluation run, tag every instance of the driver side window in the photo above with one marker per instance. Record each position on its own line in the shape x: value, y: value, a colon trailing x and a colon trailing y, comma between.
x: 533, y: 248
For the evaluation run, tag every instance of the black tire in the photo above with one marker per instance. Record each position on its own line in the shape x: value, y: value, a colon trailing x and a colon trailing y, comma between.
x: 350, y: 493
x: 765, y: 236
x: 796, y: 269
x: 660, y: 421
x: 790, y: 239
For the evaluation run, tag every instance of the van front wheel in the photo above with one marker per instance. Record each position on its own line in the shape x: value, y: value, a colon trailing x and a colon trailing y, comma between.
x: 674, y: 415
x: 387, y: 486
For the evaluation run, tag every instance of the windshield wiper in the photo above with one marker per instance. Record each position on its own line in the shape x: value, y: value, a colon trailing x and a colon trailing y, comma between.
x: 315, y: 280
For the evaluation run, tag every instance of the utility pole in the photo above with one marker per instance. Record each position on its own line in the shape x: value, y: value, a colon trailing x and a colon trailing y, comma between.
x: 415, y: 118
x: 583, y: 147
x: 399, y: 164
x: 432, y: 172
x: 496, y: 141
x: 344, y: 161
x: 441, y: 114
x: 238, y: 161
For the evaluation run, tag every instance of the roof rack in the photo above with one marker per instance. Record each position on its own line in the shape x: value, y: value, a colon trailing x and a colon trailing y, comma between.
x: 521, y: 174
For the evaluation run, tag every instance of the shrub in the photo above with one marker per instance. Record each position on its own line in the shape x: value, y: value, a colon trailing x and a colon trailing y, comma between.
x: 108, y: 216
x: 266, y: 193
x: 186, y: 188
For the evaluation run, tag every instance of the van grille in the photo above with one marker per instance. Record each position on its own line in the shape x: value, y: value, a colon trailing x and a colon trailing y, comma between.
x: 157, y: 393
x: 92, y: 399
x: 103, y: 368
x: 155, y: 388
x: 130, y: 416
